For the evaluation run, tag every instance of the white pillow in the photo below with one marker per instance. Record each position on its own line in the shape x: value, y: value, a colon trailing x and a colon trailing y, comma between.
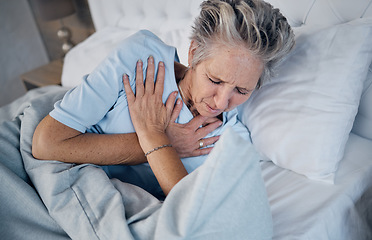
x: 302, y: 118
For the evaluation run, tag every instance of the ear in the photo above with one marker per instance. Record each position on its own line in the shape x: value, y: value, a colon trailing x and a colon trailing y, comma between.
x: 193, y: 46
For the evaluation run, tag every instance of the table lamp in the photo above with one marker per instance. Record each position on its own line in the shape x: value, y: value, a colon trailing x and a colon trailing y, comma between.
x: 49, y: 10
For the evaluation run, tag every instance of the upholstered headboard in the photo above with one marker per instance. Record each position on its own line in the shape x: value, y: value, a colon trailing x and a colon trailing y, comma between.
x: 171, y: 20
x: 149, y: 14
x: 172, y: 14
x: 322, y: 12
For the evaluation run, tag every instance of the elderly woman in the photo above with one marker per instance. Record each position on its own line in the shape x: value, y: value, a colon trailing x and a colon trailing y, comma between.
x: 113, y: 119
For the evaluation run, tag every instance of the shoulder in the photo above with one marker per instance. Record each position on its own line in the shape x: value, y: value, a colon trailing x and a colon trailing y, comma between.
x: 148, y: 35
x: 142, y: 35
x: 141, y: 45
x: 142, y: 38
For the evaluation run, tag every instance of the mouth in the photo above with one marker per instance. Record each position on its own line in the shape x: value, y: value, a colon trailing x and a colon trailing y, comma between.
x: 212, y: 110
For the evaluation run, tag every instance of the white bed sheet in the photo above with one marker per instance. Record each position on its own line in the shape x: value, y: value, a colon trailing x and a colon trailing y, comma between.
x: 306, y: 209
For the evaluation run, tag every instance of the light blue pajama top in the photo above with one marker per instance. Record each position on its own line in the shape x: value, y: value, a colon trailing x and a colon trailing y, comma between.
x: 99, y: 104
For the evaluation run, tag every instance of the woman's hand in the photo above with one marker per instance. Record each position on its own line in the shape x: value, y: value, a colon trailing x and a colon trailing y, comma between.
x: 150, y: 118
x: 189, y: 139
x: 149, y: 115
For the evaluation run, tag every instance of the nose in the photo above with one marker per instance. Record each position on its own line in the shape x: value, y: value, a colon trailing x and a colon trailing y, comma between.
x: 222, y: 98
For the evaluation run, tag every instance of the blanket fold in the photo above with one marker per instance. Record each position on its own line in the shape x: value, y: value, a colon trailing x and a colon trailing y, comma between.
x: 225, y: 198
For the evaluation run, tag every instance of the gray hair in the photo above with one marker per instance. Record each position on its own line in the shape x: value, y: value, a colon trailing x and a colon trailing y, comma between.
x: 253, y: 24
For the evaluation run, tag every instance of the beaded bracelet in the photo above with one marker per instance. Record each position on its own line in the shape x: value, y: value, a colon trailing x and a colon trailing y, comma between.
x: 157, y: 148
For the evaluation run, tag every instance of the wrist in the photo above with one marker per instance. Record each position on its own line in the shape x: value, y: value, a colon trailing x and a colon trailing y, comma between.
x: 149, y: 142
x: 157, y: 148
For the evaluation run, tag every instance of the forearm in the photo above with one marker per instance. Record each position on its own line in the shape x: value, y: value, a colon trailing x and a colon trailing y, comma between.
x: 100, y: 149
x: 55, y: 141
x: 164, y: 162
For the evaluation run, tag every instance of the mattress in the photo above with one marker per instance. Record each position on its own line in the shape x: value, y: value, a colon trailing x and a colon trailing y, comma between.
x: 307, y: 209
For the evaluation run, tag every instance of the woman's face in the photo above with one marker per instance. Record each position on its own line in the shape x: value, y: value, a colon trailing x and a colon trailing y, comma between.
x: 222, y: 82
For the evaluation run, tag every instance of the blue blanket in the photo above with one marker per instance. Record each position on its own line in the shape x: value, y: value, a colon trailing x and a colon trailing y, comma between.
x: 225, y: 198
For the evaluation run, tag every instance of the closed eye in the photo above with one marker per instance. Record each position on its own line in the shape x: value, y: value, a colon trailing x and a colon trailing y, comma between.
x: 214, y: 82
x: 242, y: 91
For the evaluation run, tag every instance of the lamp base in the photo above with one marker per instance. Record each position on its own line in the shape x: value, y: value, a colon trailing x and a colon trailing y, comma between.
x: 64, y: 34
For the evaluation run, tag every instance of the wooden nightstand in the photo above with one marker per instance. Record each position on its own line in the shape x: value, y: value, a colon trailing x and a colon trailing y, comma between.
x: 48, y: 74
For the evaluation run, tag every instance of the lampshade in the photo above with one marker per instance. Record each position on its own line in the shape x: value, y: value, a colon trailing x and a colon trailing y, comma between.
x: 54, y: 9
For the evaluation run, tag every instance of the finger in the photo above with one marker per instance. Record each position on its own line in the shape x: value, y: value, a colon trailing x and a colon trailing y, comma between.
x: 128, y: 89
x: 209, y: 141
x: 159, y: 87
x: 204, y: 131
x: 176, y: 110
x: 196, y: 122
x: 203, y: 151
x: 139, y: 79
x: 150, y: 72
x: 170, y: 102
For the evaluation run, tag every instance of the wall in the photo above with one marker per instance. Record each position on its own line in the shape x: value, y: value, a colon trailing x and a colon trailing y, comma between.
x: 21, y: 47
x: 27, y: 42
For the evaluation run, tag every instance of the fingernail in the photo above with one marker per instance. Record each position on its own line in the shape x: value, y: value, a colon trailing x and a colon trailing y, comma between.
x: 139, y: 62
x: 161, y: 64
x: 178, y: 101
x: 150, y: 59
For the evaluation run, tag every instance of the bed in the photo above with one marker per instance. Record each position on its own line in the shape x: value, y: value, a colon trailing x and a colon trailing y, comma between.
x: 311, y: 124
